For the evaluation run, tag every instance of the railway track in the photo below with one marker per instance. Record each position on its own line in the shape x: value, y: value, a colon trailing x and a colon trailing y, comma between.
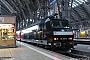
x: 81, y: 55
x: 76, y: 54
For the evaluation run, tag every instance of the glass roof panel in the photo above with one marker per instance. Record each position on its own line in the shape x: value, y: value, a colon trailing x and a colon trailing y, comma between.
x: 74, y: 4
x: 77, y: 2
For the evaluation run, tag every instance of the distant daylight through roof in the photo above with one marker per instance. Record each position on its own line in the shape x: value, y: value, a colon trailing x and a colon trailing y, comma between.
x: 78, y: 2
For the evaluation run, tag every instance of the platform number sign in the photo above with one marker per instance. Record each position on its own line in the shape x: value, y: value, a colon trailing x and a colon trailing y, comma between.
x: 1, y: 19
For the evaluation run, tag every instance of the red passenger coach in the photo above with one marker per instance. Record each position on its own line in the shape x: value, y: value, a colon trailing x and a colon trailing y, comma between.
x: 19, y: 35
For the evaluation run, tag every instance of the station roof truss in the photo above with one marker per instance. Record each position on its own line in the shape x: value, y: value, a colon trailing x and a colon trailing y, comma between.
x: 27, y: 9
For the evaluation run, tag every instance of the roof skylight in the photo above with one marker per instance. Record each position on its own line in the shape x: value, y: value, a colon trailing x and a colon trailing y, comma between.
x: 78, y: 2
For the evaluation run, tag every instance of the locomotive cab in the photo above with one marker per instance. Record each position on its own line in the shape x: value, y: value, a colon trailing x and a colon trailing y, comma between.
x: 59, y: 34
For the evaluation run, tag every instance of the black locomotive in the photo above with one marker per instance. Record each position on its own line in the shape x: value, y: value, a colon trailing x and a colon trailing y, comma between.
x: 50, y: 32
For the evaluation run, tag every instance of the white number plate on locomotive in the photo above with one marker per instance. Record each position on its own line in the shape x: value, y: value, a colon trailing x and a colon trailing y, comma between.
x: 62, y: 33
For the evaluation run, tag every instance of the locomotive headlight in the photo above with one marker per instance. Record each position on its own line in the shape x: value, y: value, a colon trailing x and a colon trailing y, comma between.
x: 55, y: 38
x: 70, y: 38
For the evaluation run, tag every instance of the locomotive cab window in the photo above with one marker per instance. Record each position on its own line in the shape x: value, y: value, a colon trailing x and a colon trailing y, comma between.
x: 65, y: 24
x: 60, y: 24
x: 56, y: 24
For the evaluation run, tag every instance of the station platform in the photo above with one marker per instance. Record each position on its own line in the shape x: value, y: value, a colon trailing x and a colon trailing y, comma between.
x: 29, y: 52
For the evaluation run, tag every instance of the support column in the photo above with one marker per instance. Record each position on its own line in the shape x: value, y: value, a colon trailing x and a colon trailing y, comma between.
x: 64, y: 9
x: 45, y: 8
x: 35, y: 16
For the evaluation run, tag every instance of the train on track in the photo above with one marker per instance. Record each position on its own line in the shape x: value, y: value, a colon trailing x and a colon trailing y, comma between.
x: 49, y: 32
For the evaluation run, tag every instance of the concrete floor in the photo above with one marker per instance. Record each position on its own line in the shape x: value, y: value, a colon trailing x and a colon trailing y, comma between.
x: 29, y: 52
